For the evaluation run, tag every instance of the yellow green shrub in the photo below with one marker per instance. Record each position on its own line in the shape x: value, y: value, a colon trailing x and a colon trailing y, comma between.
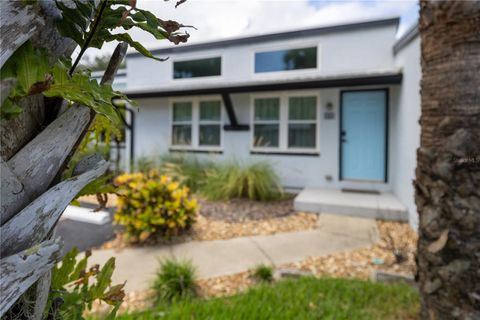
x: 150, y: 204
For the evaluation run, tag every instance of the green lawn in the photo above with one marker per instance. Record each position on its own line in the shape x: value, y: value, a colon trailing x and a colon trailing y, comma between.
x: 306, y: 298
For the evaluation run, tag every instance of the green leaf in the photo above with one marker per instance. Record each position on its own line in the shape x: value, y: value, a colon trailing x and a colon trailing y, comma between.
x: 9, y: 109
x: 79, y: 268
x: 83, y: 90
x: 85, y: 8
x: 104, y: 279
x: 73, y: 15
x: 69, y: 30
x: 125, y: 37
x: 61, y: 275
x: 77, y: 24
x: 29, y: 66
x: 99, y: 185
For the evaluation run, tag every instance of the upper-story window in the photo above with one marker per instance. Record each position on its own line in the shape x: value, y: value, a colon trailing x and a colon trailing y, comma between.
x: 207, y: 67
x: 284, y: 60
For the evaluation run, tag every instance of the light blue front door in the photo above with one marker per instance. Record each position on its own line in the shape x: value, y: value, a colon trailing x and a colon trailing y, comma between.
x: 363, y: 135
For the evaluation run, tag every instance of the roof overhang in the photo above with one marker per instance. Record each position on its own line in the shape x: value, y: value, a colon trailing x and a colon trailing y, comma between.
x: 351, y: 80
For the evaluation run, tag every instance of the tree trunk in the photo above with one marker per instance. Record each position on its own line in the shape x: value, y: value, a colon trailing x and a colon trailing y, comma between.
x: 448, y: 170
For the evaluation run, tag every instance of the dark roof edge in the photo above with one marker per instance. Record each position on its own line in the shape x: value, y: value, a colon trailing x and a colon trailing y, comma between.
x: 273, y: 36
x: 408, y: 37
x: 386, y: 79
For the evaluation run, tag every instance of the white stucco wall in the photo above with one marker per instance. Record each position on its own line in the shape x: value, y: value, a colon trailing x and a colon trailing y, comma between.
x: 152, y: 138
x: 363, y: 50
x: 407, y: 130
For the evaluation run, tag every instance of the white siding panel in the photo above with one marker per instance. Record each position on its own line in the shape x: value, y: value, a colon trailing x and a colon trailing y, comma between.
x: 407, y: 132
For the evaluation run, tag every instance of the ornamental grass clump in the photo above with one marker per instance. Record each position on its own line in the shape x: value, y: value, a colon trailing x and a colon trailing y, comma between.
x: 187, y: 170
x: 174, y: 281
x: 150, y: 204
x: 257, y: 181
x: 263, y: 273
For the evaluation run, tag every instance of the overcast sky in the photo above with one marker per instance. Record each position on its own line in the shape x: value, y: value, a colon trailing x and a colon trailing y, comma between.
x: 219, y: 19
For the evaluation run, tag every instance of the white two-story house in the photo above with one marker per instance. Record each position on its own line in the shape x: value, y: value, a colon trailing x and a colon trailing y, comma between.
x: 331, y: 108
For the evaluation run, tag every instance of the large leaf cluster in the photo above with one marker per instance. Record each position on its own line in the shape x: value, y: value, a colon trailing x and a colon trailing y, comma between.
x: 75, y: 287
x: 152, y: 206
x: 92, y: 26
x: 34, y: 75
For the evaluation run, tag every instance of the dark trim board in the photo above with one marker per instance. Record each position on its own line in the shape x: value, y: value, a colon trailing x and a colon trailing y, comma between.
x: 395, y: 78
x: 232, y: 117
x: 238, y: 127
x: 195, y: 151
x: 272, y: 37
x: 280, y: 153
x: 387, y: 108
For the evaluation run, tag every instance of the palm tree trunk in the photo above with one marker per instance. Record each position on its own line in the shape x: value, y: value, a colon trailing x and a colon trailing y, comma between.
x: 448, y: 170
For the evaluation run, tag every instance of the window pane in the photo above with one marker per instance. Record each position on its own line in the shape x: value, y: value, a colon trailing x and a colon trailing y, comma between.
x: 210, y: 110
x: 197, y: 68
x: 209, y: 135
x: 267, y: 109
x: 286, y: 60
x: 301, y: 135
x: 182, y: 111
x: 266, y: 135
x: 181, y: 135
x: 302, y: 108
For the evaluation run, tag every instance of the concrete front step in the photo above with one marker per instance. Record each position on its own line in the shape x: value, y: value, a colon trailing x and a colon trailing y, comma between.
x: 377, y: 206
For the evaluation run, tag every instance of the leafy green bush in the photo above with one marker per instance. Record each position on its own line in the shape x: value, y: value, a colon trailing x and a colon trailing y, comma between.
x: 263, y: 273
x: 74, y: 288
x: 153, y: 205
x: 175, y: 280
x: 256, y: 181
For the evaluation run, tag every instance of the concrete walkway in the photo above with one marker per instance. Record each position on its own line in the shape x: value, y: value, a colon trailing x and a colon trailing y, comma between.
x: 224, y: 257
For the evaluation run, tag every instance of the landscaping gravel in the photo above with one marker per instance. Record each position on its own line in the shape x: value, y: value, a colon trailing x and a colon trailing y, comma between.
x: 358, y: 263
x: 239, y: 210
x: 219, y: 220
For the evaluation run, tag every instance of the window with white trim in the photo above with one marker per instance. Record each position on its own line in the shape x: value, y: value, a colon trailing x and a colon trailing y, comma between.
x: 302, y: 122
x: 197, y: 123
x: 182, y: 124
x: 266, y: 120
x: 210, y: 123
x: 285, y: 123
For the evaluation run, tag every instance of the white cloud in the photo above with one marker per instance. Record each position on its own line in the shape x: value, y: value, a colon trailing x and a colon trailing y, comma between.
x: 218, y: 19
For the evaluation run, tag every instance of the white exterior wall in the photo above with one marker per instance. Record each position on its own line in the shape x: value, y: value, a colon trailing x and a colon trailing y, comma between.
x: 364, y: 50
x: 407, y: 131
x: 153, y: 136
x: 352, y: 52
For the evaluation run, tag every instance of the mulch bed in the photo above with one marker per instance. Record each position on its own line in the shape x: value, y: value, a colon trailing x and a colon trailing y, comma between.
x: 240, y: 210
x: 220, y: 220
